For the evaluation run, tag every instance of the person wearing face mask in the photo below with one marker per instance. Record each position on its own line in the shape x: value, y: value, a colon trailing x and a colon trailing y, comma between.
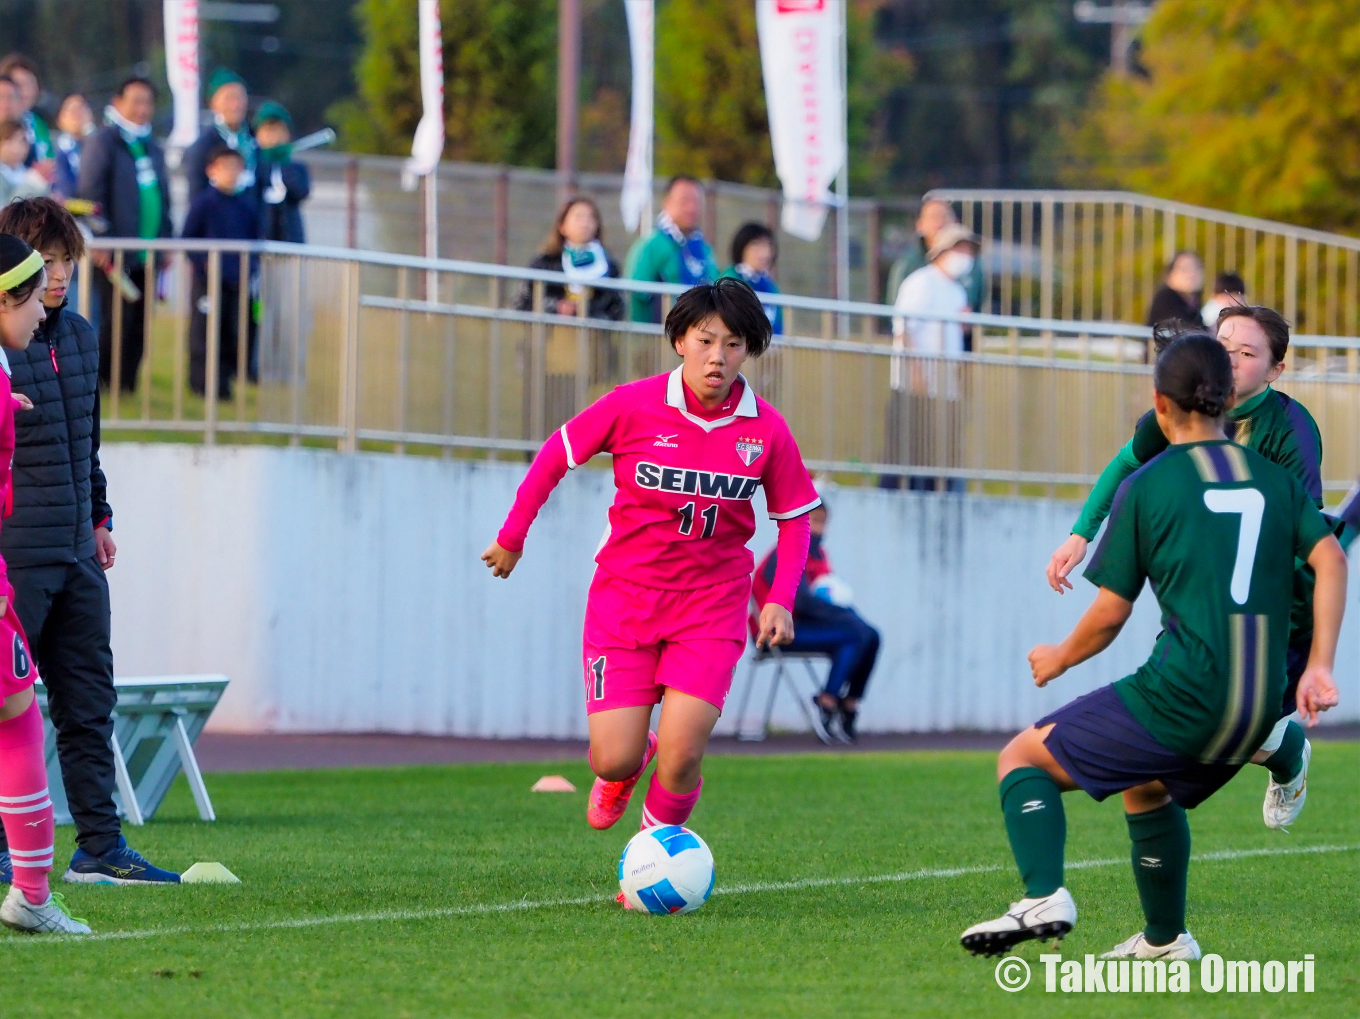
x: 229, y: 103
x: 934, y: 216
x: 122, y: 170
x: 933, y: 289
x: 1182, y: 294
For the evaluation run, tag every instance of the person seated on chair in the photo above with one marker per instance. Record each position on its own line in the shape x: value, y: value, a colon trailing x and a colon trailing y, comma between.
x: 824, y: 622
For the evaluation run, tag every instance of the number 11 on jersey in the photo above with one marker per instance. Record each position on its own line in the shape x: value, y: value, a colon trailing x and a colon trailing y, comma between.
x: 709, y: 516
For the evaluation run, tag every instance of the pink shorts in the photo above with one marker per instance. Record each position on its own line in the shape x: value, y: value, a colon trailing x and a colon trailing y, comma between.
x: 16, y: 662
x: 640, y: 640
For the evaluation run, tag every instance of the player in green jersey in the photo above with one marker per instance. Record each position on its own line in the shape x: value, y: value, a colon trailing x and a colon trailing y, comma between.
x: 1281, y: 430
x: 1215, y: 528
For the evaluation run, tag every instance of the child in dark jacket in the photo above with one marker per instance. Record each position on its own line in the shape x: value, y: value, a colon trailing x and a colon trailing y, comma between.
x: 221, y: 213
x: 282, y: 183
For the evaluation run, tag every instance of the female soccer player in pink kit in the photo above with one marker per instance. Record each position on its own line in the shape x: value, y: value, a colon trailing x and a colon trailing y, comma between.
x: 25, y: 807
x: 667, y: 610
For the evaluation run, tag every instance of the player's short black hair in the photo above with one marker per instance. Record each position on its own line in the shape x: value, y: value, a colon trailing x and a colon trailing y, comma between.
x: 136, y: 79
x: 1229, y: 283
x: 1195, y: 373
x: 14, y: 250
x: 1272, y: 323
x: 749, y: 233
x: 731, y: 300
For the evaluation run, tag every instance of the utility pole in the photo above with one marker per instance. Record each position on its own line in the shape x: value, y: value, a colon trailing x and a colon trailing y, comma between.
x: 568, y: 85
x: 1123, y: 17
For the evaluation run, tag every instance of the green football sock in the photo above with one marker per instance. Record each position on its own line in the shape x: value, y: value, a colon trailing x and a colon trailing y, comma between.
x: 1161, y: 862
x: 1037, y: 826
x: 1287, y: 760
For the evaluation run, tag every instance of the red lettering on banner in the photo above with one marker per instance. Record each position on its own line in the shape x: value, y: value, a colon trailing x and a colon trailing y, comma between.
x: 799, y: 6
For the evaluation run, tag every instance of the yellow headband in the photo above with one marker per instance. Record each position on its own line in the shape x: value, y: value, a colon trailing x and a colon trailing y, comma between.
x: 21, y: 272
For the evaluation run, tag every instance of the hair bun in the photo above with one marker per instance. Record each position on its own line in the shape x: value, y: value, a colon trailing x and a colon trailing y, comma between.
x: 1209, y: 399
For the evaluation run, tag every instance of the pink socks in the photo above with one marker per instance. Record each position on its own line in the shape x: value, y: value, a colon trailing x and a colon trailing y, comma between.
x: 665, y: 807
x: 25, y: 806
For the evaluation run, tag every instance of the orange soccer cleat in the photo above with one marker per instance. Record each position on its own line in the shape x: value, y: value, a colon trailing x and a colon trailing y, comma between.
x: 609, y: 800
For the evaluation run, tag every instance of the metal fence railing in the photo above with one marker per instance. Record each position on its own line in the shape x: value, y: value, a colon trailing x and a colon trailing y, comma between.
x: 1100, y: 256
x: 365, y: 350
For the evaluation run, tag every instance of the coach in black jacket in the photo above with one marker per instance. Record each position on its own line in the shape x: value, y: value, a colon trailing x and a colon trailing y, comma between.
x: 57, y: 544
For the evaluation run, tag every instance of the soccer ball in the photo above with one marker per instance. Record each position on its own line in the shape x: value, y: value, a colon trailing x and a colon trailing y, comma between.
x: 667, y: 869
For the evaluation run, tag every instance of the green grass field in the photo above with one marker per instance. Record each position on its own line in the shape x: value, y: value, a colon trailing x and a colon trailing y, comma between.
x: 442, y: 891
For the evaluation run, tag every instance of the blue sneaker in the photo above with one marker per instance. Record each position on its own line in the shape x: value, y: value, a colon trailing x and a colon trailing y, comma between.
x: 6, y: 869
x: 121, y: 865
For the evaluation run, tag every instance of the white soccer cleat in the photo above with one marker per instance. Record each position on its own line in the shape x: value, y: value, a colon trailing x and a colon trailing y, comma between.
x: 1050, y: 917
x: 52, y: 917
x: 1137, y: 947
x: 1284, y: 803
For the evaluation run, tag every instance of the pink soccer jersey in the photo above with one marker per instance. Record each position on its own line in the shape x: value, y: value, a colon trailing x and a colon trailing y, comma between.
x: 682, y: 515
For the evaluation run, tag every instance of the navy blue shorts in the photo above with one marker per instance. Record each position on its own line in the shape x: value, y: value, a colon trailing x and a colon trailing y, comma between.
x: 1106, y: 750
x: 1295, y: 661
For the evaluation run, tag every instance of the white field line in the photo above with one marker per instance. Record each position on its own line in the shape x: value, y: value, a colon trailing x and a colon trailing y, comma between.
x: 522, y: 905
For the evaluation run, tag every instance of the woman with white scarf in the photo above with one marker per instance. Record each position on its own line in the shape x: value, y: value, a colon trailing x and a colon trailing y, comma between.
x: 574, y: 247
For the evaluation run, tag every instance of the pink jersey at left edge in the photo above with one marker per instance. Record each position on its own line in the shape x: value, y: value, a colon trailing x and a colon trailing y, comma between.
x: 682, y: 514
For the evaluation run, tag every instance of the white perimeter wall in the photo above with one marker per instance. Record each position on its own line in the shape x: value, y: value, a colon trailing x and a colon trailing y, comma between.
x: 344, y: 593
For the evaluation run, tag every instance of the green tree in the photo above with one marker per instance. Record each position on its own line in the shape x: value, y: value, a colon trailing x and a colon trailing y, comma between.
x: 500, y: 66
x: 1251, y: 106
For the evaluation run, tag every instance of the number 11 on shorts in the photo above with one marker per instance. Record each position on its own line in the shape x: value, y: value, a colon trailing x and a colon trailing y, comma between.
x: 597, y: 671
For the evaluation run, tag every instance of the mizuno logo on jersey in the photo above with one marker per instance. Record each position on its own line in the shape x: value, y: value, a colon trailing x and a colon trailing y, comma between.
x: 1151, y: 862
x: 665, y: 440
x: 712, y: 484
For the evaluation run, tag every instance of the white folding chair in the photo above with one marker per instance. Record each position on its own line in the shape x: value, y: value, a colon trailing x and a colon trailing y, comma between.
x: 783, y: 676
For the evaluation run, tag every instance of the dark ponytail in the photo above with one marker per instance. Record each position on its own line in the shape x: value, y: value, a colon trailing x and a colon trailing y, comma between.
x: 14, y: 250
x: 1195, y: 373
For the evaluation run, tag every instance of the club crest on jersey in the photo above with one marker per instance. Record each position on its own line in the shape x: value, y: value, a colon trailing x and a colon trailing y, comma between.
x: 749, y: 450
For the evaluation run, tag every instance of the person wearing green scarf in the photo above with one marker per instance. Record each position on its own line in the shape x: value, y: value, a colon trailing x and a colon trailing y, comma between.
x: 122, y: 170
x: 229, y: 103
x: 21, y: 70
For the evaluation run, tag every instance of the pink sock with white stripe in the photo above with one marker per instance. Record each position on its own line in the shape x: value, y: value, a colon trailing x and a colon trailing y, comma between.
x: 665, y: 807
x: 25, y: 807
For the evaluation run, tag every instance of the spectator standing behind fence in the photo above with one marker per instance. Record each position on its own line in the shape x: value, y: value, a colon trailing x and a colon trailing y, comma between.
x: 75, y: 123
x: 58, y: 545
x: 933, y: 217
x: 222, y: 212
x: 676, y: 251
x: 282, y: 184
x: 229, y: 103
x: 122, y: 170
x: 575, y: 247
x: 23, y: 71
x: 824, y: 623
x: 753, y: 256
x: 17, y: 178
x: 1229, y: 289
x: 914, y: 426
x: 1181, y: 294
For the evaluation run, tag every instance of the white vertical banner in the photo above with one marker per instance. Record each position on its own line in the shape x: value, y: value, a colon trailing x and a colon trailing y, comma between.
x: 800, y: 57
x: 636, y: 200
x: 181, y: 69
x: 428, y: 144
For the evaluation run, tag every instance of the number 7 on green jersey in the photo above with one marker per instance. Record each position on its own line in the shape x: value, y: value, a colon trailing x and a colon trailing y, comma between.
x: 1250, y: 505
